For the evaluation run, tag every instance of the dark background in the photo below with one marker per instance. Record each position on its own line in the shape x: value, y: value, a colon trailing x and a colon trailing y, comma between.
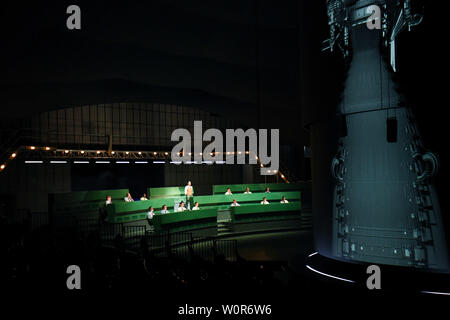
x: 136, y: 178
x: 261, y: 54
x: 264, y: 55
x: 243, y: 52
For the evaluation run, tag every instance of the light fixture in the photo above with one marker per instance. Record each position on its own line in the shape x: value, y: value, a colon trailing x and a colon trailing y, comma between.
x: 98, y: 152
x: 13, y: 155
x: 127, y: 152
x: 112, y: 152
x: 82, y: 152
x: 67, y: 151
x: 32, y: 147
x: 2, y: 167
x: 139, y: 153
x: 47, y: 148
x: 166, y: 153
x: 155, y: 153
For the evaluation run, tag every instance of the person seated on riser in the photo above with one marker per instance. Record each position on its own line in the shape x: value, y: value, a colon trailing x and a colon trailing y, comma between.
x: 128, y: 198
x: 164, y: 210
x: 196, y: 207
x: 181, y: 208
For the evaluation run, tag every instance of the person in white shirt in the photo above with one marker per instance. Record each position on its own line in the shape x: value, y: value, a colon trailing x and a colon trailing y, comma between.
x: 228, y: 192
x: 181, y: 208
x: 283, y: 200
x: 189, y: 193
x: 264, y: 201
x: 196, y: 207
x: 128, y: 198
x: 267, y: 190
x: 234, y: 203
x: 150, y: 215
x: 247, y: 191
x: 164, y: 209
x: 144, y: 197
x: 102, y: 211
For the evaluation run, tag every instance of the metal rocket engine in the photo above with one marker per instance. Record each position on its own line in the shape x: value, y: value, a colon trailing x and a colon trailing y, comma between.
x: 385, y: 207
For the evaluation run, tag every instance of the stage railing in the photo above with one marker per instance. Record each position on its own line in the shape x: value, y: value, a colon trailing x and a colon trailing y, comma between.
x: 131, y: 237
x: 26, y: 218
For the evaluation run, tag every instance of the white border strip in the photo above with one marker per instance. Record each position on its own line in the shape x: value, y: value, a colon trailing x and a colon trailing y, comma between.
x: 329, y: 275
x: 436, y: 292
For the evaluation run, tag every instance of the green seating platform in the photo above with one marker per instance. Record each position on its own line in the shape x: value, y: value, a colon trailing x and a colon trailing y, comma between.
x: 84, y: 201
x: 260, y: 187
x: 204, y: 218
x: 221, y: 199
x: 120, y: 212
x: 137, y: 210
x: 260, y: 212
x: 180, y: 221
x: 250, y: 209
x: 165, y: 192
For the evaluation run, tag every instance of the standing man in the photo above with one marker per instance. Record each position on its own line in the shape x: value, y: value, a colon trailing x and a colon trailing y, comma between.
x: 189, y: 192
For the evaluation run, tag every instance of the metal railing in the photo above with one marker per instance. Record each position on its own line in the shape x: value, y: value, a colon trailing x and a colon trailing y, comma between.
x: 25, y: 217
x: 130, y: 237
x: 182, y: 245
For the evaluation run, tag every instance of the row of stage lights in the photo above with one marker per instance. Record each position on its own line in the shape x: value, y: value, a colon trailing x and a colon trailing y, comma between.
x: 11, y: 157
x: 140, y: 153
x: 102, y: 152
x: 136, y: 162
